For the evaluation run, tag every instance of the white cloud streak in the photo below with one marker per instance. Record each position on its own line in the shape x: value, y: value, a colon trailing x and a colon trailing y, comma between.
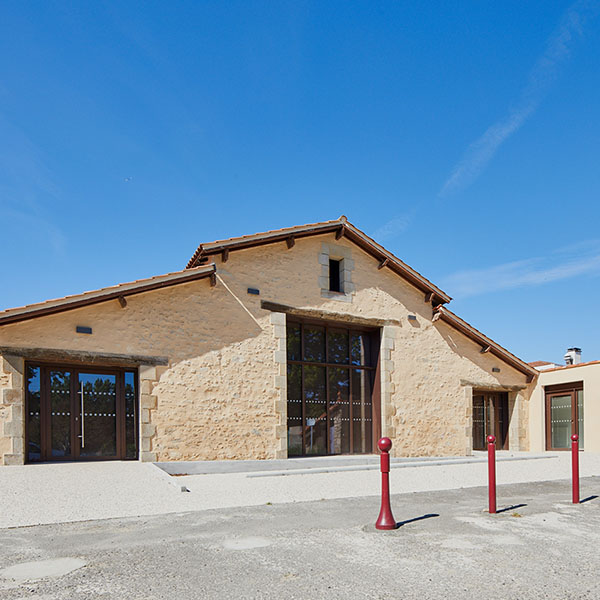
x: 393, y: 227
x: 543, y: 74
x: 525, y: 273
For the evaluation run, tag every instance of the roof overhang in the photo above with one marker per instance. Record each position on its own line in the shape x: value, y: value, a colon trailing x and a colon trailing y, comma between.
x: 120, y: 291
x: 487, y: 344
x: 342, y: 228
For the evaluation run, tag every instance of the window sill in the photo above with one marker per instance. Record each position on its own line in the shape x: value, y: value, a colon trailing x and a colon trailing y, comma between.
x: 339, y: 296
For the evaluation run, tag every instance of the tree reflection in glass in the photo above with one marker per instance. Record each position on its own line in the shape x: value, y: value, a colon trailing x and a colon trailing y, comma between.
x: 339, y: 411
x: 315, y: 399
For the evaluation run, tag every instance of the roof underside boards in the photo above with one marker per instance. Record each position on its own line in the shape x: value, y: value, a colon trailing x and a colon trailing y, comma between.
x: 342, y: 228
x: 487, y: 344
x: 122, y: 290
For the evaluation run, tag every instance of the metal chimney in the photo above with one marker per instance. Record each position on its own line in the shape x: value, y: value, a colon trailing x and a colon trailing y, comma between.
x: 573, y: 356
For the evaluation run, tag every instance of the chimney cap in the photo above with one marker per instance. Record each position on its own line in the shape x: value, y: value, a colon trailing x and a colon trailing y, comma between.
x: 573, y: 349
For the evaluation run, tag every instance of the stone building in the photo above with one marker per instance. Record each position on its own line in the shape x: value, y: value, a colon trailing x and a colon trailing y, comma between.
x: 309, y: 340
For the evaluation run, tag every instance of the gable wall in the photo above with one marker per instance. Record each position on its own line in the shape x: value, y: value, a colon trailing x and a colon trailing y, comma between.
x: 223, y: 393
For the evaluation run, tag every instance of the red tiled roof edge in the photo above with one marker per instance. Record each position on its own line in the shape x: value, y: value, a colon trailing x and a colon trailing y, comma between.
x: 583, y: 364
x: 486, y: 343
x: 342, y: 227
x: 31, y: 311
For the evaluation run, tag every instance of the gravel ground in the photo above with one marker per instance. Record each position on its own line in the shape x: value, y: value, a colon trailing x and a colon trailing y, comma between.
x: 56, y: 493
x: 542, y: 547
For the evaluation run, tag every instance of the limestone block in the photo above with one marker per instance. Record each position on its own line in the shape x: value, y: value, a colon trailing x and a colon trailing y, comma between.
x: 18, y: 445
x: 13, y: 428
x: 148, y: 430
x: 12, y: 396
x: 146, y: 372
x: 148, y: 401
x: 279, y: 331
x: 148, y: 457
x: 277, y: 318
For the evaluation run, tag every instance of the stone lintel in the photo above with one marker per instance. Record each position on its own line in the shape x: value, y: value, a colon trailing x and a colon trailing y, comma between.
x: 493, y: 387
x: 83, y: 356
x: 313, y: 313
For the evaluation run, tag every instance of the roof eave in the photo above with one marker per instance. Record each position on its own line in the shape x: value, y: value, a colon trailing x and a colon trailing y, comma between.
x: 487, y: 344
x: 343, y: 228
x: 106, y: 294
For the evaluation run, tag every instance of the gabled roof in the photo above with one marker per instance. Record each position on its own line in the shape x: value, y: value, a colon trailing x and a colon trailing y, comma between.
x: 122, y: 290
x: 342, y: 228
x: 487, y: 344
x: 539, y: 363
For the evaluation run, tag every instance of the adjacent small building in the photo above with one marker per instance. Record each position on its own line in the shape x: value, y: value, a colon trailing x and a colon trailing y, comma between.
x: 309, y: 340
x: 564, y: 401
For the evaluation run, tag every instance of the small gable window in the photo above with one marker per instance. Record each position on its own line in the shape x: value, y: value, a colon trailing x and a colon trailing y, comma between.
x: 335, y: 274
x: 335, y: 282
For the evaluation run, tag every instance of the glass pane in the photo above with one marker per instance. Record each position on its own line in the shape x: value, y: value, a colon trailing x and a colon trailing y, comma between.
x: 339, y: 411
x: 560, y: 421
x: 294, y: 409
x: 314, y: 343
x: 130, y: 416
x: 99, y: 414
x: 478, y: 423
x: 580, y: 417
x: 337, y: 346
x: 60, y: 413
x: 33, y: 414
x: 315, y: 398
x: 293, y: 342
x: 362, y: 417
x: 360, y: 349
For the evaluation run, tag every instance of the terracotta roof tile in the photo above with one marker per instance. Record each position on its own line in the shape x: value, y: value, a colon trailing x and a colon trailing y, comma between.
x: 341, y: 225
x: 562, y: 367
x: 486, y: 342
x: 137, y: 286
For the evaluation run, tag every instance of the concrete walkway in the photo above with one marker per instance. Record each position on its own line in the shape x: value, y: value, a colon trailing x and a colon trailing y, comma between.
x: 55, y: 493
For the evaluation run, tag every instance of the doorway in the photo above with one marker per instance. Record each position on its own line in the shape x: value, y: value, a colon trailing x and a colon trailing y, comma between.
x: 564, y: 415
x: 80, y: 413
x: 490, y: 417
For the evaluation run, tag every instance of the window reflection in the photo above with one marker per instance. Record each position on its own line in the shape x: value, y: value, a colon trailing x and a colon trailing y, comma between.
x: 33, y: 416
x: 329, y: 404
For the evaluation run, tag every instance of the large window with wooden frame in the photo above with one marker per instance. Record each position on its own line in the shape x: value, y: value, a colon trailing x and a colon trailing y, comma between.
x: 77, y: 412
x: 333, y: 394
x: 564, y: 415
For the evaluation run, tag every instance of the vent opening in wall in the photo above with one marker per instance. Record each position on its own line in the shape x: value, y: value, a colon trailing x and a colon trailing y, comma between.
x: 335, y: 280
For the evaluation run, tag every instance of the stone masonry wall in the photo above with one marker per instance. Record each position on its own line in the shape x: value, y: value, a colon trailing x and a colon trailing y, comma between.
x: 12, y: 426
x: 223, y: 395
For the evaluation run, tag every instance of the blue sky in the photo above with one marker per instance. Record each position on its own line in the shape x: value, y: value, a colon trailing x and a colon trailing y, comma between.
x: 463, y: 138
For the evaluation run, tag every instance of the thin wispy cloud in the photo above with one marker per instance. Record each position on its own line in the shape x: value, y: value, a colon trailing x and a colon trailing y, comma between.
x: 393, y: 227
x: 541, y: 77
x: 561, y: 264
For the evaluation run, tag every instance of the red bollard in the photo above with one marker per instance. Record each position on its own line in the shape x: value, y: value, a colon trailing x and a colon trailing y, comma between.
x: 575, y: 464
x: 491, y: 439
x: 386, y: 518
